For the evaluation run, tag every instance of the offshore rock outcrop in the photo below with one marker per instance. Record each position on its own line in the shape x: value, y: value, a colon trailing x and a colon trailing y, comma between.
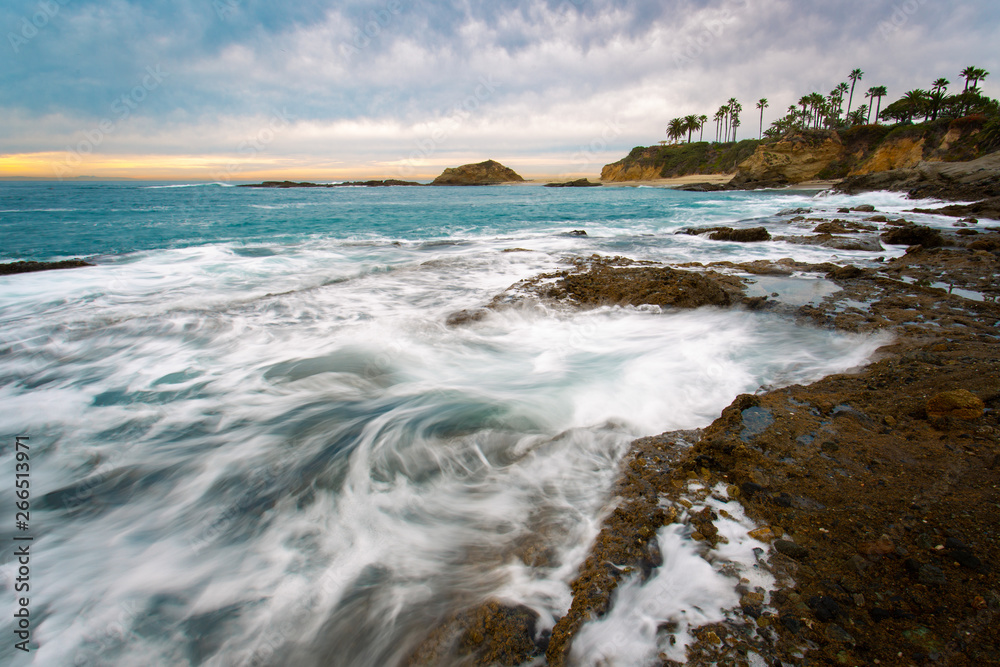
x: 31, y: 267
x: 490, y: 172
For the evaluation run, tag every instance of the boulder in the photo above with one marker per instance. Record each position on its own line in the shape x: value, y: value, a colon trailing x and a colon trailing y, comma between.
x: 490, y: 172
x: 914, y: 235
x: 959, y: 403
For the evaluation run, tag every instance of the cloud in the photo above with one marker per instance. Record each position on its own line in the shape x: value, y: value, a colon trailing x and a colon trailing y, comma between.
x: 366, y: 79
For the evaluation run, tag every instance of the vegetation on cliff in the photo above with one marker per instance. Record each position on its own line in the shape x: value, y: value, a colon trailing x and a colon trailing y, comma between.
x: 700, y: 157
x: 957, y: 127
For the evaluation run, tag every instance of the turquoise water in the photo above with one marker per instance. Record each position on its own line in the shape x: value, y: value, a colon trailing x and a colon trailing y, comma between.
x: 256, y: 441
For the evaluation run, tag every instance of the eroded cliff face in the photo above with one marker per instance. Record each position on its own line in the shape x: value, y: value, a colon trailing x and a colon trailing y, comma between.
x: 794, y: 159
x: 618, y: 172
x: 893, y: 154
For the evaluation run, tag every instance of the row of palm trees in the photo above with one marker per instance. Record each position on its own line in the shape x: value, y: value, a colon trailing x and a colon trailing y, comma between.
x: 816, y: 110
x: 727, y: 121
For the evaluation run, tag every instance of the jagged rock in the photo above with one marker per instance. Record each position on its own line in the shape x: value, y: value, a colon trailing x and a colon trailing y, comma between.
x: 490, y: 172
x: 914, y: 235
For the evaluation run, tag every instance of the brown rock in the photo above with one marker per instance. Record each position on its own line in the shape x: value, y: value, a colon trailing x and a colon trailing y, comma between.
x: 959, y: 403
x: 490, y: 172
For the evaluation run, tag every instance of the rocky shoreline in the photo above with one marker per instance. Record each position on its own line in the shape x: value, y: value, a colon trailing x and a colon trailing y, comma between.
x: 875, y: 492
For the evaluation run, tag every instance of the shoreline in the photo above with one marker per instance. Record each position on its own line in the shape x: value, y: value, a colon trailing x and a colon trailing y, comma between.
x: 874, y: 491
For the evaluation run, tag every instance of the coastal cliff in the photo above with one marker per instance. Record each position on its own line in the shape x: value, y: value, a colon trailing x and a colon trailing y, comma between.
x: 810, y: 154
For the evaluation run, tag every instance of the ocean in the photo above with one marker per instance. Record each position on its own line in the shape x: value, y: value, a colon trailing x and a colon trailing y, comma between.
x: 254, y: 440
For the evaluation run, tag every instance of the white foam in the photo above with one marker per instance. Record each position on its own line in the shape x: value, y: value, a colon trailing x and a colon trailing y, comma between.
x: 686, y: 592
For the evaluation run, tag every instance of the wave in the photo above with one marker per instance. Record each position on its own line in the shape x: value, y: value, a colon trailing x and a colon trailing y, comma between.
x: 188, y: 185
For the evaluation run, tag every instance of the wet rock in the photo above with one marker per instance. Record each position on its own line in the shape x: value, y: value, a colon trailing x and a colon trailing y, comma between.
x: 751, y: 235
x: 825, y: 608
x: 577, y: 232
x: 605, y: 284
x: 790, y: 623
x: 791, y: 549
x: 762, y: 534
x: 863, y: 243
x: 795, y: 211
x: 466, y: 316
x: 848, y: 272
x: 835, y: 633
x: 31, y: 267
x: 750, y: 489
x: 864, y: 208
x: 925, y: 573
x: 833, y: 227
x: 959, y: 403
x: 914, y: 235
x: 880, y: 547
x: 493, y: 633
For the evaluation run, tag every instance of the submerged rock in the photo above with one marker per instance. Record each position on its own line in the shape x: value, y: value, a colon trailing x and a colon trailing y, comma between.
x: 493, y: 633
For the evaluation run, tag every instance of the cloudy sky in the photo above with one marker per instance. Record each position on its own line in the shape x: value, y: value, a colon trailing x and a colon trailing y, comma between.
x: 243, y: 89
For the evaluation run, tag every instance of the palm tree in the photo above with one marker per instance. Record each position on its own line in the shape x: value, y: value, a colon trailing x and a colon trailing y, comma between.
x: 720, y: 115
x: 968, y: 73
x: 702, y: 119
x: 734, y: 111
x: 730, y: 107
x: 916, y: 100
x: 979, y: 75
x: 675, y: 128
x: 842, y: 89
x: 762, y: 104
x: 879, y: 92
x: 857, y: 117
x: 870, y: 93
x: 854, y: 76
x: 690, y: 125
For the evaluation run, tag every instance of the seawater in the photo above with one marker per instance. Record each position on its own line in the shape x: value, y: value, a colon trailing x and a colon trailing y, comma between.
x: 255, y: 441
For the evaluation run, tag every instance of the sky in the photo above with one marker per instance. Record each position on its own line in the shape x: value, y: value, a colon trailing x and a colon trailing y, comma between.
x: 243, y: 90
